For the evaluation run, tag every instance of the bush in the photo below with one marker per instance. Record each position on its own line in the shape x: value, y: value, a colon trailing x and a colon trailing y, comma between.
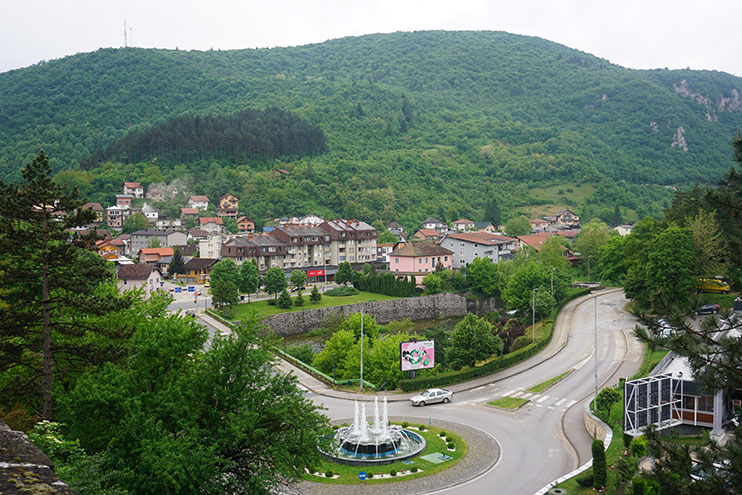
x: 393, y: 472
x: 342, y: 291
x: 369, y: 475
x: 301, y: 352
x: 329, y: 474
x: 450, y: 445
x: 271, y: 302
x: 585, y: 479
x: 638, y: 447
x: 405, y: 424
x: 449, y: 440
x: 414, y: 469
x: 299, y: 299
x: 606, y: 398
x: 520, y: 343
x: 315, y: 296
x: 442, y: 434
x: 422, y: 427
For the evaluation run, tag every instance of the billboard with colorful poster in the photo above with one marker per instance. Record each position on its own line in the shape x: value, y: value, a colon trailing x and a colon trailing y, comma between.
x: 417, y: 355
x: 315, y: 273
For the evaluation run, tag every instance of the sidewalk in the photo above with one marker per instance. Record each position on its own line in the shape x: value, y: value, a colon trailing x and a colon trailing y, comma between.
x: 558, y: 341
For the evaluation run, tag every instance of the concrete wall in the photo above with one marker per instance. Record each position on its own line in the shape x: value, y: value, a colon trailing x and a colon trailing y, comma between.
x: 414, y: 308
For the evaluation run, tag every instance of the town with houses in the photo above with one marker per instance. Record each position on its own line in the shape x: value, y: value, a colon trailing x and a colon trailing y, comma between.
x: 311, y: 243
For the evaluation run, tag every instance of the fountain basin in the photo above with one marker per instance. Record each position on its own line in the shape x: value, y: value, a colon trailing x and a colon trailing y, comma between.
x: 366, y: 453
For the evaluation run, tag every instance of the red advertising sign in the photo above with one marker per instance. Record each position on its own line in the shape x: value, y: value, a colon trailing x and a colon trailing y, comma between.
x: 315, y: 273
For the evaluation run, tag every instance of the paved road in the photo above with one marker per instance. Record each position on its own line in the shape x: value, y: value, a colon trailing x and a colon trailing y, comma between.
x: 544, y: 439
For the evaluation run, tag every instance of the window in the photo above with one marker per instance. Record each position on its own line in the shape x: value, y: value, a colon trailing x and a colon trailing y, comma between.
x: 396, y: 269
x: 445, y: 258
x: 396, y: 260
x: 426, y: 261
x: 706, y: 403
x: 462, y: 245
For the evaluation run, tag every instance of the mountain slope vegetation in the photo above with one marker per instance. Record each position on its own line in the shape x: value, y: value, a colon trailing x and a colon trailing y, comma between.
x: 415, y: 123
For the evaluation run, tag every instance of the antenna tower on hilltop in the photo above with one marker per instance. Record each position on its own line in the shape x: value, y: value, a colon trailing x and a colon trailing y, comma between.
x: 125, y: 44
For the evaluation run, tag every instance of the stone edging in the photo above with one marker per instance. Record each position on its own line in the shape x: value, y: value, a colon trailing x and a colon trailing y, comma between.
x: 476, y: 462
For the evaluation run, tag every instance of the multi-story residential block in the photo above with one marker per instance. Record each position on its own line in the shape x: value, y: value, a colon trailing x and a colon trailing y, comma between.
x: 228, y: 205
x: 266, y: 250
x: 383, y: 250
x: 350, y: 240
x: 198, y: 202
x: 210, y: 247
x: 307, y: 245
x: 115, y: 217
x: 419, y: 259
x: 145, y: 238
x: 469, y: 245
x: 133, y: 189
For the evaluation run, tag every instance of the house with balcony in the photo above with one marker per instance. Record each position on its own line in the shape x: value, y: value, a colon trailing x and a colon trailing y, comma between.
x: 197, y: 270
x: 124, y: 200
x: 245, y: 225
x: 266, y: 250
x: 419, y: 259
x: 133, y: 189
x: 539, y: 225
x: 434, y: 224
x: 115, y: 217
x: 227, y: 206
x: 467, y: 246
x: 350, y: 240
x: 153, y: 255
x: 308, y: 246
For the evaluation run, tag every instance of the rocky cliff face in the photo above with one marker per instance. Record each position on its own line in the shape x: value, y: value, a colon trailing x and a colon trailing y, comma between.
x: 729, y: 103
x: 678, y: 140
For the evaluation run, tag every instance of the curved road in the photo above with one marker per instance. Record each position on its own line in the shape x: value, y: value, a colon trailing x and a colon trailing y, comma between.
x: 544, y: 439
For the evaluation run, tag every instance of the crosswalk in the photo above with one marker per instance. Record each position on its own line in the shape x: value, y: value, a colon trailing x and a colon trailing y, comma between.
x: 537, y: 400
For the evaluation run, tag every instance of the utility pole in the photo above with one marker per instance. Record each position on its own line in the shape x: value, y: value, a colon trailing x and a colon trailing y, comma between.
x: 552, y: 280
x: 588, y: 268
x: 361, y: 348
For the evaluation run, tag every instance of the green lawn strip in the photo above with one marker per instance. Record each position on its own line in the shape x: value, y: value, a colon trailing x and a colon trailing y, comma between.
x: 434, y: 443
x: 508, y: 402
x: 548, y: 383
x: 262, y: 308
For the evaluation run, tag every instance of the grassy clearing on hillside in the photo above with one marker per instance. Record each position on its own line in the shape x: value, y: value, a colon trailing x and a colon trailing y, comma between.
x: 262, y: 308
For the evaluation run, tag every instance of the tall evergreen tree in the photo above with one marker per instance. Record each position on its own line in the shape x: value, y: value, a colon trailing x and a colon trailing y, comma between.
x: 492, y: 212
x: 177, y: 265
x: 47, y: 273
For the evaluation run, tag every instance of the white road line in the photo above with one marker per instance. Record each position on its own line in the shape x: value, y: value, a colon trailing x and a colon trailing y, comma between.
x: 508, y: 394
x: 559, y: 403
x: 583, y: 362
x: 571, y: 403
x: 478, y: 388
x: 551, y: 407
x: 302, y: 387
x: 528, y: 395
x: 543, y: 398
x: 518, y: 393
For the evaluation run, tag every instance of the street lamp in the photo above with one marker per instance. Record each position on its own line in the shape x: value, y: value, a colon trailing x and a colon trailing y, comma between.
x: 588, y: 267
x: 361, y: 348
x: 552, y: 280
x: 533, y: 313
x: 334, y: 380
x: 595, y: 402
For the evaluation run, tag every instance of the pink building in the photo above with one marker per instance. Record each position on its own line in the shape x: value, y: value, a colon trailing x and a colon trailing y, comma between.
x: 139, y: 275
x: 419, y: 259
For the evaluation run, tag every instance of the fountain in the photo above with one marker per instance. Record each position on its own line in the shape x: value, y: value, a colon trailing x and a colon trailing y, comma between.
x: 380, y: 443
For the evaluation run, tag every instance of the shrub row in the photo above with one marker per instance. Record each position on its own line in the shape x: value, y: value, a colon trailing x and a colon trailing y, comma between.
x: 495, y: 365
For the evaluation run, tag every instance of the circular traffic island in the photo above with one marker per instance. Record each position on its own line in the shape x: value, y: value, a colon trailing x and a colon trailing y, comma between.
x: 441, y: 462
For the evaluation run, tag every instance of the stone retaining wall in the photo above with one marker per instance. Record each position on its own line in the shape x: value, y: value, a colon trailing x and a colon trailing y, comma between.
x: 414, y: 308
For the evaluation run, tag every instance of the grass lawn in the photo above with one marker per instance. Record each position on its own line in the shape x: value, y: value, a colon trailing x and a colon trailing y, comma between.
x: 262, y: 308
x: 726, y: 301
x: 548, y: 383
x: 508, y: 402
x: 434, y: 443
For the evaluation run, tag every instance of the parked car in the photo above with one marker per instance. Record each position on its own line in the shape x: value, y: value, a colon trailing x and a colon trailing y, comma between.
x: 432, y: 395
x: 190, y: 313
x: 665, y: 328
x: 708, y: 309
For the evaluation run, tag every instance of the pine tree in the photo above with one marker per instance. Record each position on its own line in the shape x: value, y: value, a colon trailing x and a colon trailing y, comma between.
x: 177, y: 265
x: 315, y: 295
x: 284, y: 300
x: 599, y: 465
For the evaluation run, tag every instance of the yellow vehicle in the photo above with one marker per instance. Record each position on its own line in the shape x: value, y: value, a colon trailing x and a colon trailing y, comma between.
x: 712, y: 285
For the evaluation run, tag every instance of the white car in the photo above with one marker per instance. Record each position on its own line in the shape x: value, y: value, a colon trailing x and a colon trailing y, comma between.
x: 432, y: 395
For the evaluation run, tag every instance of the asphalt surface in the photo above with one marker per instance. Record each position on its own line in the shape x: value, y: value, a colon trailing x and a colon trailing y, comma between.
x: 544, y: 439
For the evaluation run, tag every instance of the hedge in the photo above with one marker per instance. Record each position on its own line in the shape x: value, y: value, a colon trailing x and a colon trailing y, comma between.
x: 497, y: 364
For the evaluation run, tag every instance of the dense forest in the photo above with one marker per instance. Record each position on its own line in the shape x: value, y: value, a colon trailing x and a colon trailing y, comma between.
x: 424, y: 123
x: 233, y: 139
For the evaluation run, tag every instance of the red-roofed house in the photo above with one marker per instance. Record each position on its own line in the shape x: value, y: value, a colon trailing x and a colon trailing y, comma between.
x: 213, y: 225
x: 109, y: 250
x: 426, y: 235
x: 534, y: 240
x: 419, y: 259
x: 199, y: 202
x: 152, y: 255
x: 466, y: 246
x: 228, y: 205
x: 188, y: 213
x: 97, y: 209
x: 134, y: 188
x: 244, y: 224
x: 538, y: 224
x: 463, y: 225
x: 139, y: 275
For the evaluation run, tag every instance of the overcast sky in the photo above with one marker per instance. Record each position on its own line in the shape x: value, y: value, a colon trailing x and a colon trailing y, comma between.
x: 639, y: 34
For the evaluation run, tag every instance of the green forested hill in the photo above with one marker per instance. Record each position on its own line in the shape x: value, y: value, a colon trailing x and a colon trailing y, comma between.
x: 416, y: 123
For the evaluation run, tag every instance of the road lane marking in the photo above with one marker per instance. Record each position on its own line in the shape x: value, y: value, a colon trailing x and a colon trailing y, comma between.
x: 508, y: 394
x: 478, y: 388
x: 543, y: 398
x: 571, y: 403
x: 519, y: 394
x: 559, y: 403
x: 528, y: 395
